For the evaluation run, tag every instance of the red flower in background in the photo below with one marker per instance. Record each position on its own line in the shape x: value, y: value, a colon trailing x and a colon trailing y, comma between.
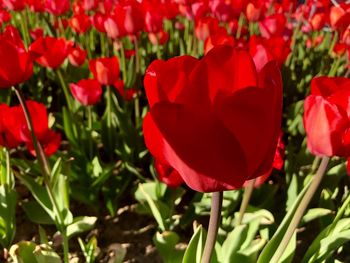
x: 273, y: 25
x: 220, y: 37
x: 6, y: 138
x: 36, y: 5
x: 205, y: 27
x: 57, y: 7
x: 264, y: 50
x: 86, y: 91
x: 4, y: 17
x: 49, y: 51
x: 36, y: 33
x: 340, y: 16
x: 105, y: 70
x: 77, y: 56
x: 13, y: 5
x: 80, y: 23
x: 127, y: 94
x: 326, y: 117
x: 15, y: 64
x: 17, y: 127
x: 216, y: 121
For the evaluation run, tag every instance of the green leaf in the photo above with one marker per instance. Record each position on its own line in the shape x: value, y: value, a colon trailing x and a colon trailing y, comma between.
x: 314, y: 213
x: 165, y: 243
x: 8, y: 200
x: 29, y: 252
x: 194, y: 251
x: 321, y: 244
x: 154, y: 190
x: 233, y: 243
x: 40, y: 194
x: 36, y: 213
x: 273, y: 244
x: 155, y: 211
x: 80, y: 225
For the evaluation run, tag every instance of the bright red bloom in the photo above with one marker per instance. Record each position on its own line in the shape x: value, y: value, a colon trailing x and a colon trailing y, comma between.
x: 159, y: 38
x: 273, y: 25
x: 153, y: 19
x: 80, y: 23
x: 15, y: 64
x: 17, y: 127
x: 205, y: 27
x: 326, y: 117
x: 36, y: 33
x: 105, y: 70
x: 13, y: 5
x: 86, y: 91
x: 340, y: 16
x: 57, y: 7
x: 220, y: 37
x: 36, y: 5
x: 127, y: 94
x: 4, y: 17
x: 253, y: 11
x: 264, y: 50
x: 98, y: 21
x: 77, y: 56
x: 168, y: 175
x: 216, y: 120
x: 49, y: 51
x: 6, y: 138
x: 129, y: 16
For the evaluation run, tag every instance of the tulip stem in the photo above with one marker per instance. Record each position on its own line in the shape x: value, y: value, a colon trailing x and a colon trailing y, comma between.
x: 65, y: 90
x: 245, y: 201
x: 89, y: 113
x: 214, y: 222
x: 316, y: 180
x: 46, y: 171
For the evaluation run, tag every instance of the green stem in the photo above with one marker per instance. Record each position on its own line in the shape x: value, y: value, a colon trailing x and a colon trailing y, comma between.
x: 44, y: 165
x: 65, y: 90
x: 89, y: 113
x: 246, y: 197
x: 214, y: 222
x: 300, y: 210
x: 24, y: 26
x: 240, y: 25
x: 65, y: 245
x: 123, y: 62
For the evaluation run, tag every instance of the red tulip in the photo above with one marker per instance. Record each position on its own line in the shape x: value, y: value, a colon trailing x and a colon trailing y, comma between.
x: 36, y: 5
x: 127, y: 94
x: 105, y: 70
x: 264, y: 50
x: 49, y: 51
x: 6, y: 138
x: 253, y: 12
x: 36, y: 33
x: 168, y: 175
x: 205, y: 27
x: 4, y: 17
x: 326, y: 117
x: 14, y: 5
x: 159, y: 38
x: 216, y: 121
x: 220, y: 37
x: 340, y: 16
x: 86, y: 91
x: 98, y: 20
x: 80, y: 23
x: 273, y: 25
x: 15, y: 64
x: 57, y: 7
x: 17, y: 127
x: 153, y: 19
x: 130, y: 16
x: 77, y: 56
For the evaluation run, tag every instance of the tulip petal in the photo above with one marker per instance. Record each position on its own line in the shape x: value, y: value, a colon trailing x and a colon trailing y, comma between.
x: 204, y: 152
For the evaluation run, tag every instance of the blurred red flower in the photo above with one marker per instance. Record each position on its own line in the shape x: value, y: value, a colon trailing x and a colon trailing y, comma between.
x: 86, y: 91
x: 15, y: 64
x: 326, y: 117
x: 77, y: 56
x: 105, y: 70
x: 17, y: 127
x: 80, y: 23
x: 216, y: 120
x: 49, y: 51
x: 57, y: 7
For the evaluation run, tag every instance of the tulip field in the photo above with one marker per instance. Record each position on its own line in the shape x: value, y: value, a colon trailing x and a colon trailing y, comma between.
x: 193, y: 131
